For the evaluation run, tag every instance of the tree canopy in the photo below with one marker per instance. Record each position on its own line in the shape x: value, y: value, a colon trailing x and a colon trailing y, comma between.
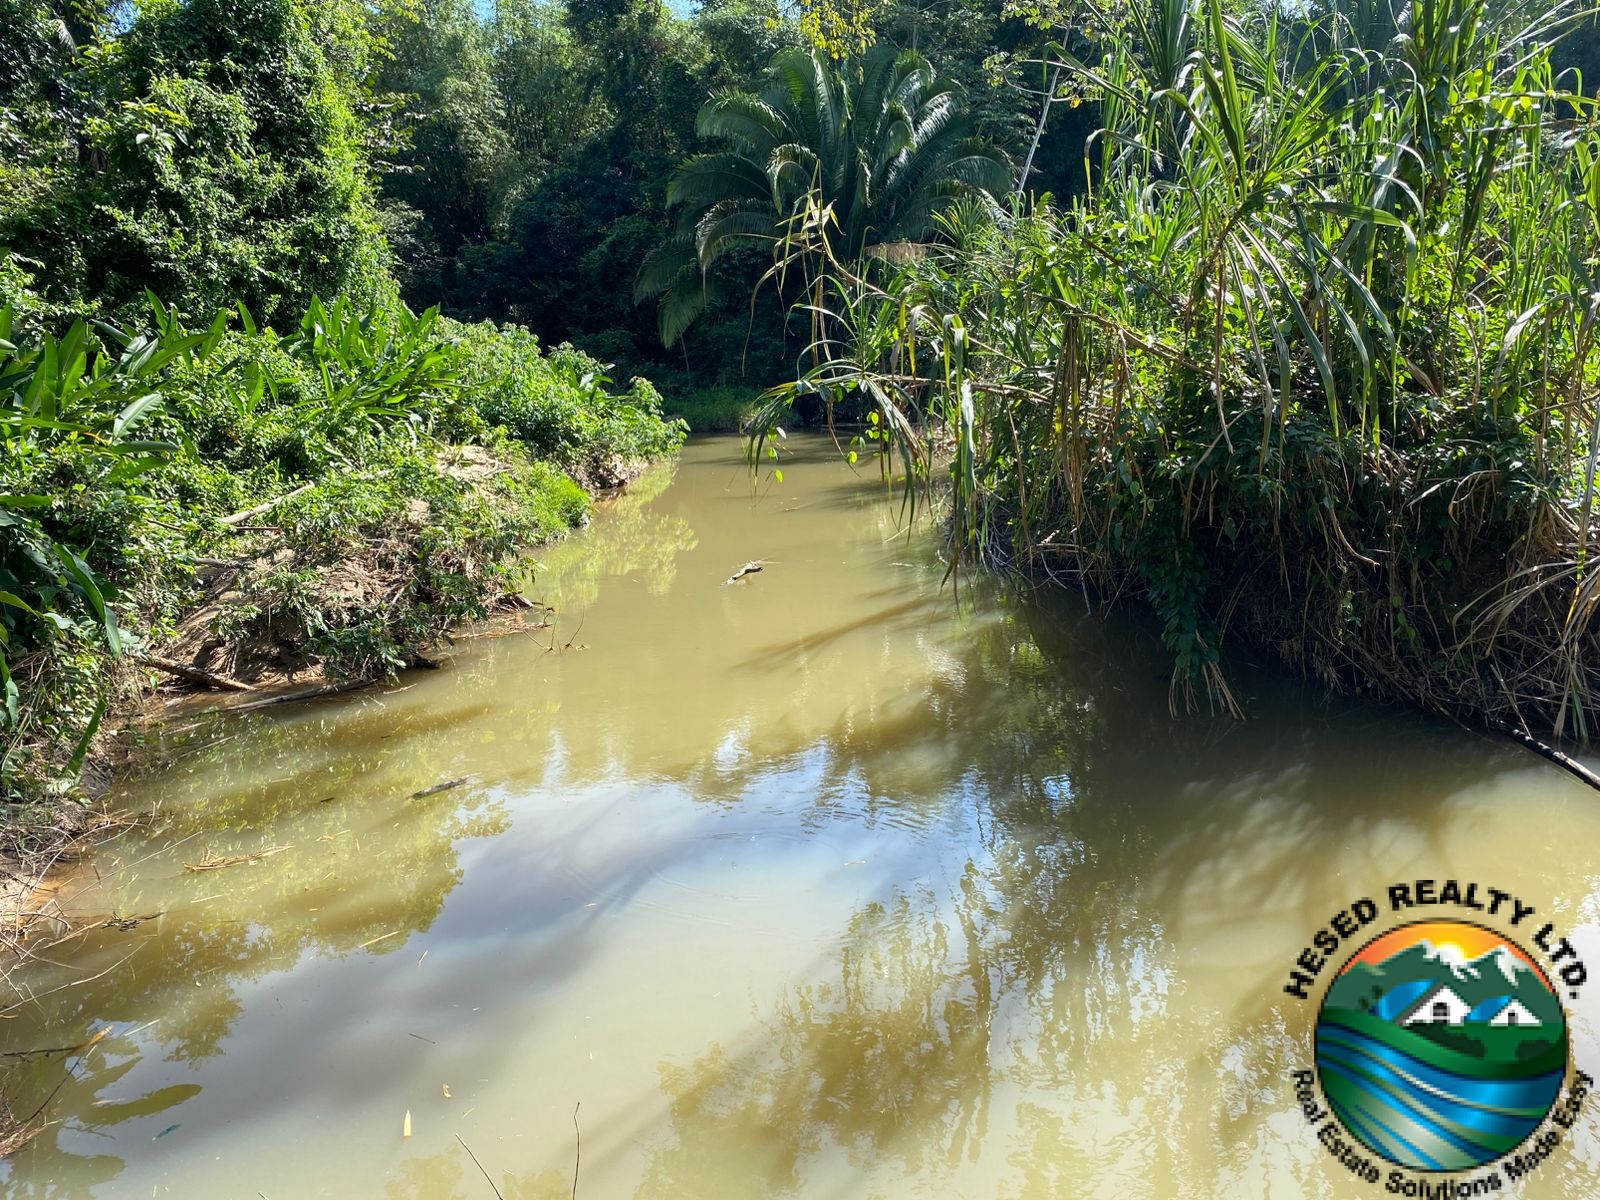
x: 872, y: 148
x: 210, y: 153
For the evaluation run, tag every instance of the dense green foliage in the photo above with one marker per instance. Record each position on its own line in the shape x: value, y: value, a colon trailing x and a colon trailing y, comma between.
x: 559, y: 405
x: 543, y: 136
x: 534, y: 178
x: 1315, y: 365
x: 200, y: 456
x: 122, y: 455
x: 213, y: 153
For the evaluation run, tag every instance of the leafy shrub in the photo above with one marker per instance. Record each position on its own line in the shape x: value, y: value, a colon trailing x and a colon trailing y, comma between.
x: 558, y: 404
x: 122, y: 453
x: 725, y: 409
x: 1312, y: 366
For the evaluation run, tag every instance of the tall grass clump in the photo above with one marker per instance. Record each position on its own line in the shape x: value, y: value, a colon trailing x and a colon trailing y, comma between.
x: 1311, y: 366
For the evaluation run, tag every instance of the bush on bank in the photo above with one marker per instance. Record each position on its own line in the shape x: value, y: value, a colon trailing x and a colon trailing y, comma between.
x: 399, y: 462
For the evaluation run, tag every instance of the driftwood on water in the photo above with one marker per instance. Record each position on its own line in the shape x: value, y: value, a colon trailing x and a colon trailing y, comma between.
x: 1565, y: 761
x: 212, y: 862
x: 315, y: 693
x: 437, y: 788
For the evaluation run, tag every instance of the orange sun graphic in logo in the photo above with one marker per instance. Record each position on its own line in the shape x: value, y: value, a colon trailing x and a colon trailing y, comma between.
x: 1452, y: 939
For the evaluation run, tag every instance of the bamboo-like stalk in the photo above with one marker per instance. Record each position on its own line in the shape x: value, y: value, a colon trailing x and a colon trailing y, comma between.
x: 1314, y: 363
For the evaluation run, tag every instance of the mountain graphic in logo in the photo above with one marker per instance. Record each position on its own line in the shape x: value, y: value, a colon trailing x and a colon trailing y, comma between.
x: 1441, y: 1046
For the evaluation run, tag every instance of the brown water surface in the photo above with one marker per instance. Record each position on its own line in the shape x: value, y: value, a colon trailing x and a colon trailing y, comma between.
x: 814, y: 884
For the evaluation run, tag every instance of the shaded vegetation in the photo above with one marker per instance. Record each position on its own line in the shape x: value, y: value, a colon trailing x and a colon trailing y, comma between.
x: 543, y: 137
x: 726, y: 409
x: 873, y: 150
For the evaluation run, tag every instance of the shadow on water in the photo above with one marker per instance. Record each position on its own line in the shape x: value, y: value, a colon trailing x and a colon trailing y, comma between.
x: 1056, y: 970
x: 1119, y: 872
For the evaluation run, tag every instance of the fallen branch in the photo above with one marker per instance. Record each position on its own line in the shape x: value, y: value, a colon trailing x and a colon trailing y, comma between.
x: 1565, y: 761
x: 503, y: 629
x: 80, y: 1048
x: 438, y: 787
x: 195, y: 675
x: 239, y: 518
x: 332, y: 689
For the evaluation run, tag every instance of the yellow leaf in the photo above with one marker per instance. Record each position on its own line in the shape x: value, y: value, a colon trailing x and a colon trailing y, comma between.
x: 405, y: 1129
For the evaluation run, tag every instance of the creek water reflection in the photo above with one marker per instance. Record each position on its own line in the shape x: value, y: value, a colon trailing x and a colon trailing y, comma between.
x: 815, y: 884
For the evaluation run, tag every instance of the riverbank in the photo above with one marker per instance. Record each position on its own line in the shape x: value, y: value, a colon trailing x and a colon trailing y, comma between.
x: 294, y: 615
x: 244, y: 512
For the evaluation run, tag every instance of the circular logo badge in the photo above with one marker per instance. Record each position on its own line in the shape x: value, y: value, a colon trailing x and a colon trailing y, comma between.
x: 1441, y: 1046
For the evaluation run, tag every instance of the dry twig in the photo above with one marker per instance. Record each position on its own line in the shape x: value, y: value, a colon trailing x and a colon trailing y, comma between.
x: 212, y: 862
x: 195, y: 675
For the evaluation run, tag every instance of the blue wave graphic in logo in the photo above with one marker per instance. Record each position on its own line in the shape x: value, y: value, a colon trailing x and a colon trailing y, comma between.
x: 1441, y: 1046
x: 1417, y: 1113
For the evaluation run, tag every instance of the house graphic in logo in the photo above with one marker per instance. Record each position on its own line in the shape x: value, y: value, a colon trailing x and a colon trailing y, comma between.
x: 1440, y: 1005
x: 1514, y: 1014
x: 1441, y: 1046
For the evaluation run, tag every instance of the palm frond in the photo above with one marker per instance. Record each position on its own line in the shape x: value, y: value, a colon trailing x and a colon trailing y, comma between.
x: 826, y: 160
x: 729, y: 221
x: 706, y: 178
x: 750, y: 123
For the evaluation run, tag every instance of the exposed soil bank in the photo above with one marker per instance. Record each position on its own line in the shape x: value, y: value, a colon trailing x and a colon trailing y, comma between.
x: 294, y: 614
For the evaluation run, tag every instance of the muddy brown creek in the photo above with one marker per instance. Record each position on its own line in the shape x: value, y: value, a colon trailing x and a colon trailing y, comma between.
x: 825, y: 882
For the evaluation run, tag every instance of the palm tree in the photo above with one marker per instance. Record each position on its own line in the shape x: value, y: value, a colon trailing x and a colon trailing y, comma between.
x: 878, y: 145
